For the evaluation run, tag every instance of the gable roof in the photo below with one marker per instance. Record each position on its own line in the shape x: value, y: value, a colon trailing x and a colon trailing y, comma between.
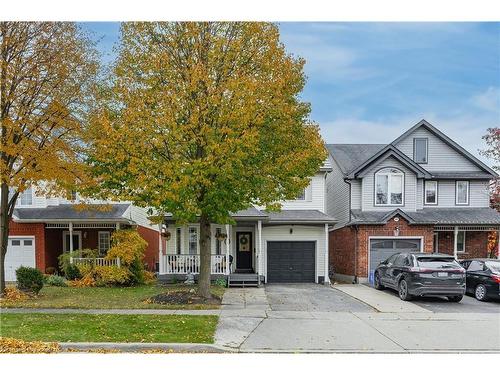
x: 388, y: 151
x: 349, y: 156
x: 449, y: 142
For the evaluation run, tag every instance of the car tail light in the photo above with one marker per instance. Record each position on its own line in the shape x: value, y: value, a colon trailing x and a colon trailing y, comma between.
x: 496, y: 278
x: 420, y: 269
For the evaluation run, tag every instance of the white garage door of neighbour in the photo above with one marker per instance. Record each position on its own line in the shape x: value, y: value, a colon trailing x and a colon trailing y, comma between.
x: 20, y: 252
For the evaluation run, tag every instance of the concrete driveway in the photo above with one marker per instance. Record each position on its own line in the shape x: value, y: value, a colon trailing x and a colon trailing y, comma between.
x: 315, y: 318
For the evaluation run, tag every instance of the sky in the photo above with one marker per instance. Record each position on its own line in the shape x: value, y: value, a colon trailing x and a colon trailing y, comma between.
x: 369, y: 82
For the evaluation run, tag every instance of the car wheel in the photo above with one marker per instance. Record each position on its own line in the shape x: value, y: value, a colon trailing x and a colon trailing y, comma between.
x: 403, y: 291
x: 378, y: 285
x: 480, y: 292
x: 455, y: 298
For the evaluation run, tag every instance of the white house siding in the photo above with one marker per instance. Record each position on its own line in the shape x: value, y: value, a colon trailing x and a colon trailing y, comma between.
x: 420, y: 193
x: 314, y: 197
x: 368, y: 187
x: 300, y: 233
x: 337, y: 195
x: 140, y: 216
x: 356, y: 194
x: 441, y: 156
x: 478, y: 194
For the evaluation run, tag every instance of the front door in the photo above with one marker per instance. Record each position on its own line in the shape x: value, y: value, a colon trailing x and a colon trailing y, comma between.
x: 244, y: 246
x: 77, y: 239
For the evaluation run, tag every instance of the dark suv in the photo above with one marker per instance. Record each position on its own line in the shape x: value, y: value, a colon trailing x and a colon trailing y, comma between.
x: 421, y: 274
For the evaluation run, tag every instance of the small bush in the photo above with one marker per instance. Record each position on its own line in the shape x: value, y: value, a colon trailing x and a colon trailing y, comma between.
x: 149, y: 277
x: 55, y: 280
x: 29, y: 279
x: 65, y: 258
x: 85, y: 269
x: 72, y: 272
x: 111, y: 275
x: 136, y: 272
x: 220, y: 282
x: 50, y: 270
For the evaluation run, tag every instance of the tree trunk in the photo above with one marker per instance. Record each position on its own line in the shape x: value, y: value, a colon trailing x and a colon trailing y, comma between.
x: 4, y: 232
x: 205, y: 257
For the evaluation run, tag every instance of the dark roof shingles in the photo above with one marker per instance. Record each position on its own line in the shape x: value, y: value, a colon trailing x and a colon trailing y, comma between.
x: 70, y: 212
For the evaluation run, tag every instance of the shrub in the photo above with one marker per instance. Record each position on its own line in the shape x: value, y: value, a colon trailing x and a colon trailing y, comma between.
x: 128, y: 245
x: 220, y: 282
x: 136, y: 272
x: 29, y: 279
x: 111, y: 275
x: 149, y: 277
x: 50, y: 270
x: 85, y: 269
x: 55, y: 280
x: 72, y: 272
x: 65, y: 258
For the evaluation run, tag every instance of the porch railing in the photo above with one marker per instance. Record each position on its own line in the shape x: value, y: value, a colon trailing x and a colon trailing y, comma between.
x: 96, y: 261
x: 184, y: 264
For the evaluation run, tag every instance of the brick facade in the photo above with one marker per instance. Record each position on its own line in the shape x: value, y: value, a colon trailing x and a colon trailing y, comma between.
x: 349, y: 245
x: 152, y: 251
x: 476, y: 244
x: 38, y: 231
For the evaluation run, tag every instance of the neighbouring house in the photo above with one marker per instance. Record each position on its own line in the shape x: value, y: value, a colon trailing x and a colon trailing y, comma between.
x: 43, y: 227
x: 421, y: 192
x: 286, y: 246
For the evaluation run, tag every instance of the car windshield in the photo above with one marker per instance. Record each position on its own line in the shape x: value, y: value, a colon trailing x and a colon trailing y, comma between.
x: 493, y: 266
x: 433, y: 262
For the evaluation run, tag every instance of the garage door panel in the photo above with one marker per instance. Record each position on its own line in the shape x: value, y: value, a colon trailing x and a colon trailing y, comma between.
x: 291, y: 261
x: 20, y: 252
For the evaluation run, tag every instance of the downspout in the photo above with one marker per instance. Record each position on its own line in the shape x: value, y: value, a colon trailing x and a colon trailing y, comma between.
x: 355, y: 280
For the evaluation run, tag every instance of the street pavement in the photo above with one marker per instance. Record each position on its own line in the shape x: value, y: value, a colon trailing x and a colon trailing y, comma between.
x: 356, y: 318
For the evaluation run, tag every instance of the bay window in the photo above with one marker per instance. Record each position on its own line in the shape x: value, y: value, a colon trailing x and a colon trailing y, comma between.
x: 389, y: 187
x: 431, y: 192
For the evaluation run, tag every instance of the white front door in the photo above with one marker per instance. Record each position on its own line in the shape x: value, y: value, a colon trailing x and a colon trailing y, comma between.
x: 20, y: 252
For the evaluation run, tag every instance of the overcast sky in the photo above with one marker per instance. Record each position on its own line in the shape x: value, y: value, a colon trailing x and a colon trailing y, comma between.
x: 369, y: 82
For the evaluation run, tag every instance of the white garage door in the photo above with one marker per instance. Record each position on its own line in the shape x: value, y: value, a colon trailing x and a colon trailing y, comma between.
x: 20, y: 252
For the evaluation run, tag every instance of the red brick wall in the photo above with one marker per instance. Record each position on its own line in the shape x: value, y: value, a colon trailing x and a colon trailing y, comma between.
x: 341, y: 250
x: 342, y: 242
x: 32, y: 229
x: 152, y: 237
x: 476, y: 244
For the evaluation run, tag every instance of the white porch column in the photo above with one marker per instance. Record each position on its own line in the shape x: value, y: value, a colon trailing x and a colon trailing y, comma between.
x: 327, y: 278
x: 117, y: 226
x: 160, y: 251
x: 455, y: 242
x: 71, y: 242
x: 228, y: 228
x: 259, y: 250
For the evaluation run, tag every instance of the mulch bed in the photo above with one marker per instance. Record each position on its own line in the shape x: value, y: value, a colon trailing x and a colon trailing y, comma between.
x: 182, y: 298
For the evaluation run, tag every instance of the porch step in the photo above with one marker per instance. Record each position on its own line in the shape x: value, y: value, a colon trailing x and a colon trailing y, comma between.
x: 243, y: 280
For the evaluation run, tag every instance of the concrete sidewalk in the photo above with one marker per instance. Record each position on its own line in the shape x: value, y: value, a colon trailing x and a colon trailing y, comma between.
x: 381, y: 302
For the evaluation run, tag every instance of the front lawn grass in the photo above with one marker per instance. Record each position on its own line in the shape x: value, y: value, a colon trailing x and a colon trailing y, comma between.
x: 107, y: 298
x: 109, y: 328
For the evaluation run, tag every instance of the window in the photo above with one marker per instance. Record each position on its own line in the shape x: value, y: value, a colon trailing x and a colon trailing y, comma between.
x: 28, y: 242
x: 431, y: 192
x: 400, y: 260
x: 475, y: 266
x: 26, y: 197
x: 73, y: 195
x: 178, y: 241
x: 193, y: 240
x: 389, y: 184
x: 420, y: 150
x: 301, y: 196
x: 16, y: 242
x: 218, y: 243
x: 103, y: 242
x: 435, y: 242
x: 462, y: 192
x: 461, y: 242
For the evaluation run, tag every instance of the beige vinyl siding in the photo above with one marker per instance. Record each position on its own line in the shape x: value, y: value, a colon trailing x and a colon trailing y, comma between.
x: 368, y: 192
x: 337, y: 195
x: 478, y: 194
x: 441, y: 157
x: 300, y: 233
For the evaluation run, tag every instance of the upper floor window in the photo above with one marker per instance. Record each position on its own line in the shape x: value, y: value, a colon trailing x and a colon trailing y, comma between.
x: 26, y: 197
x: 431, y: 192
x: 302, y: 195
x: 420, y: 152
x: 193, y: 240
x: 462, y: 193
x: 389, y: 187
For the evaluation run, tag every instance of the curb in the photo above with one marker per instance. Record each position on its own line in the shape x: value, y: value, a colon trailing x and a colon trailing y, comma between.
x: 137, y: 347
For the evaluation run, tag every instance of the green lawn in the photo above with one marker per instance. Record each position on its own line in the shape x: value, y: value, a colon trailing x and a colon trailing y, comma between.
x: 108, y: 328
x: 107, y: 298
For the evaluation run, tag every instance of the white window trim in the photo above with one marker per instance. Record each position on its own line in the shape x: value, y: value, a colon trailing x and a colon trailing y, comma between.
x: 467, y: 195
x: 389, y: 178
x: 75, y: 233
x: 19, y: 198
x: 99, y: 241
x: 425, y: 193
x: 463, y: 248
x: 197, y: 237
